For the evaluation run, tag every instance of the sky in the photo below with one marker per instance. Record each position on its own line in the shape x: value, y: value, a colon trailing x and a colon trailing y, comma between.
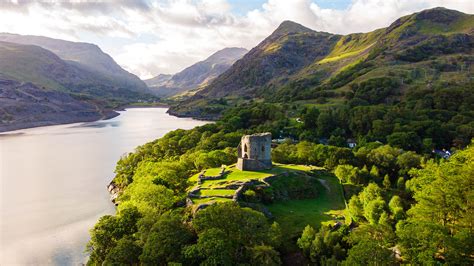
x: 150, y: 37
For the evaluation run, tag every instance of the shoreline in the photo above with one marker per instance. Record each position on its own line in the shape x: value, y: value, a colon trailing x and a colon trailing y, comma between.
x: 21, y: 126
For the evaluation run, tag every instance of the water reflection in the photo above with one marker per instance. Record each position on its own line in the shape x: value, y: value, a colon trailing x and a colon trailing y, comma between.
x: 53, y: 182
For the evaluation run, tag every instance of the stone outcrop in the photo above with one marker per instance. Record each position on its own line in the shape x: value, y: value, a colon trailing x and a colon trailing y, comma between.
x: 114, y: 192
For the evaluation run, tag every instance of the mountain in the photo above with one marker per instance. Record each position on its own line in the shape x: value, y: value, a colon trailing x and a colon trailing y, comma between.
x: 39, y: 88
x: 197, y: 75
x: 431, y: 48
x: 30, y: 63
x: 83, y: 55
x: 158, y: 81
x: 24, y: 105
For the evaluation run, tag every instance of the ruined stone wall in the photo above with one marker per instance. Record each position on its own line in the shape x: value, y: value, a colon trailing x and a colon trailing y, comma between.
x: 255, y: 152
x: 257, y: 146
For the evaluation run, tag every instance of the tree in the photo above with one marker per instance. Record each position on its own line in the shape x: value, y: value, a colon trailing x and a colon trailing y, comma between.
x: 126, y: 252
x: 307, y: 237
x: 347, y: 174
x: 371, y: 245
x: 212, y: 248
x: 239, y: 229
x: 405, y: 140
x: 373, y: 210
x: 407, y: 161
x: 395, y: 203
x: 368, y: 252
x: 356, y: 208
x: 265, y: 255
x: 371, y: 192
x: 165, y: 241
x: 439, y: 224
x: 108, y: 231
x: 386, y: 182
x: 374, y: 173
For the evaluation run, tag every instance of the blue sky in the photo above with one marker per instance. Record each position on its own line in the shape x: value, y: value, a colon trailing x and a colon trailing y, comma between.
x: 243, y: 6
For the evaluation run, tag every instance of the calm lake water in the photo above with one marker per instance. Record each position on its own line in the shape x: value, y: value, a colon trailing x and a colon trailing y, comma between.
x: 53, y: 182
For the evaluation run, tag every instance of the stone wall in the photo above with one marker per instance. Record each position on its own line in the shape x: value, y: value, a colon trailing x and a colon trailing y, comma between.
x: 254, y: 152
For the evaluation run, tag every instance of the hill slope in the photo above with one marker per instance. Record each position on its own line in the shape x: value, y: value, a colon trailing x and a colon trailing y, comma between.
x: 197, y: 75
x: 84, y: 55
x: 429, y: 48
x: 39, y: 88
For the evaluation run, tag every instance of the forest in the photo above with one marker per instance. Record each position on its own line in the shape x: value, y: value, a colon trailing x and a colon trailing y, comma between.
x: 405, y: 204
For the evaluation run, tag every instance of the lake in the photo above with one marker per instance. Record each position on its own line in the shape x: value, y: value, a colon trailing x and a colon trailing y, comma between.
x: 53, y: 182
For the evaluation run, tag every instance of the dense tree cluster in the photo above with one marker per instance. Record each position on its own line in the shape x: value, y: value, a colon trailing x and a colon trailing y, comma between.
x: 402, y: 206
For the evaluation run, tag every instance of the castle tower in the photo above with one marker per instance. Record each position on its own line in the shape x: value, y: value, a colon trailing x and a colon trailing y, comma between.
x: 254, y: 152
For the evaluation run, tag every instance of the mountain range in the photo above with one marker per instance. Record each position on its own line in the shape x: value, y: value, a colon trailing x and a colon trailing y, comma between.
x: 424, y: 50
x: 196, y: 76
x: 37, y: 71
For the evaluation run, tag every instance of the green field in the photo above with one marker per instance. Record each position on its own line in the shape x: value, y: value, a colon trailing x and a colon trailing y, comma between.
x: 294, y: 215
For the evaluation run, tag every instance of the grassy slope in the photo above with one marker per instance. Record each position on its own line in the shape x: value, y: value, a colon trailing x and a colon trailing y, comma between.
x: 294, y: 215
x: 350, y: 50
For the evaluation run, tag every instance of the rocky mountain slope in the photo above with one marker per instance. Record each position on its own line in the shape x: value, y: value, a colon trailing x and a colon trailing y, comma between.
x: 428, y: 49
x: 197, y: 75
x: 83, y: 55
x: 40, y: 88
x: 24, y: 105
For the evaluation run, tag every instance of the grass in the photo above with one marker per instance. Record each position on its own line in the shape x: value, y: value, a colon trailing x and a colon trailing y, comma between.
x: 217, y: 192
x: 294, y: 215
x: 210, y: 200
x: 213, y: 172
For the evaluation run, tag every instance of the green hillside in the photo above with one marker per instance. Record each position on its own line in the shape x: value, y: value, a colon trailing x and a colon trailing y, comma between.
x: 29, y: 63
x: 414, y: 75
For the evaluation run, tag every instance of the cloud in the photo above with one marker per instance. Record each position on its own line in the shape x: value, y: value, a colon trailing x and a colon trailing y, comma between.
x: 165, y: 36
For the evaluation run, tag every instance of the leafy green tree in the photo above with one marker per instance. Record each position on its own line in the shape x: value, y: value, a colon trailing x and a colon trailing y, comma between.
x: 374, y: 173
x: 368, y: 252
x: 370, y: 193
x: 407, y: 161
x: 307, y: 237
x: 338, y: 141
x: 242, y: 229
x: 405, y: 140
x: 401, y: 183
x: 126, y: 252
x: 212, y: 248
x: 395, y: 203
x: 356, y: 208
x: 373, y: 210
x: 386, y: 182
x: 347, y: 173
x: 265, y: 255
x: 310, y: 118
x: 439, y: 224
x: 371, y: 245
x: 108, y: 231
x: 165, y: 241
x: 104, y: 237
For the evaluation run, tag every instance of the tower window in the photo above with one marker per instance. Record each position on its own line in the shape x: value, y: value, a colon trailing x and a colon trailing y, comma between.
x: 245, y: 147
x: 263, y: 148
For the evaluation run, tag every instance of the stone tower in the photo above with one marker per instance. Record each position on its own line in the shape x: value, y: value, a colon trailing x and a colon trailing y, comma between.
x: 254, y: 152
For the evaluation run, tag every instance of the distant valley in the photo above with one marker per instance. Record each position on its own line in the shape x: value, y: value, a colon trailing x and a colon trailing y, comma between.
x: 196, y: 76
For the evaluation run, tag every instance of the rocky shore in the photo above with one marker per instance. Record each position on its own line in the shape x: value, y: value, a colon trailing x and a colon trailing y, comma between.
x: 24, y: 105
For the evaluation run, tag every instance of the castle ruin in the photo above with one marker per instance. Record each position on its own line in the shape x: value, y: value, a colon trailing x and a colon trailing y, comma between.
x: 254, y: 152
